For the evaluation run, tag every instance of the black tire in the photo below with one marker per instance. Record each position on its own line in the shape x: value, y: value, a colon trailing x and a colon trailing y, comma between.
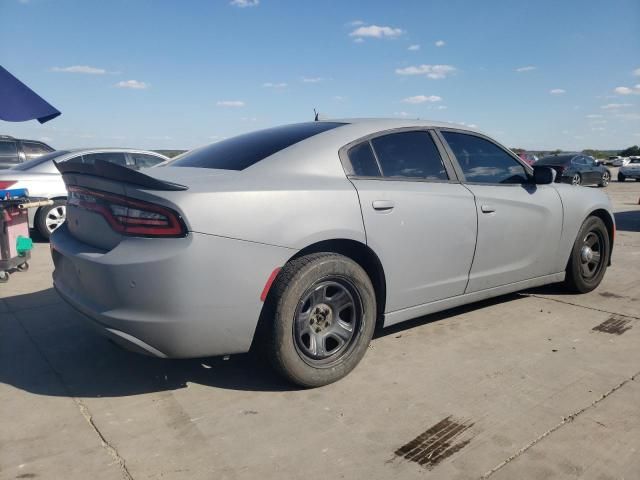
x: 290, y: 300
x: 23, y: 267
x: 583, y: 274
x: 41, y: 217
x: 4, y: 276
x: 621, y: 177
x: 605, y: 179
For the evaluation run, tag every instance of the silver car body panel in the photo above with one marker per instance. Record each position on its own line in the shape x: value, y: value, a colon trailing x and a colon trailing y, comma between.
x: 200, y: 295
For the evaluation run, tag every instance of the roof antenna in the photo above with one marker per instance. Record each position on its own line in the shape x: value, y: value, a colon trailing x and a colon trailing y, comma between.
x: 315, y: 115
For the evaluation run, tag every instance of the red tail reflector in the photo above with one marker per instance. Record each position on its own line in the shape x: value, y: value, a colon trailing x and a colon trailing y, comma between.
x: 4, y: 184
x: 267, y: 286
x: 128, y: 216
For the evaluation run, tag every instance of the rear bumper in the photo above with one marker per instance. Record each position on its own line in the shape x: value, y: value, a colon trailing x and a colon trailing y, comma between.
x: 178, y: 298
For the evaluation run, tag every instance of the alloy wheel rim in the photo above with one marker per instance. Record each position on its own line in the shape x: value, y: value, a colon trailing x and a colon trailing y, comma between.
x: 591, y: 255
x: 55, y: 217
x: 605, y: 178
x: 327, y: 321
x: 576, y: 179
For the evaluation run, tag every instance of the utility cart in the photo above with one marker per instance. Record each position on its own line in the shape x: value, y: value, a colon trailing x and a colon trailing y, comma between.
x: 15, y: 243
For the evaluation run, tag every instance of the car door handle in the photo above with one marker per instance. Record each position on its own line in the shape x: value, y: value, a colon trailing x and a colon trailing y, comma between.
x: 383, y: 205
x: 487, y: 209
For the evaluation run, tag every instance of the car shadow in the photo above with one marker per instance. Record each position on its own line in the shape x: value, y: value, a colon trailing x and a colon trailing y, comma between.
x: 628, y: 221
x: 46, y: 348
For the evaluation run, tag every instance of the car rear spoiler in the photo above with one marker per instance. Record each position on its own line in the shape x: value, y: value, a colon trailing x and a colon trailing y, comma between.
x: 119, y: 173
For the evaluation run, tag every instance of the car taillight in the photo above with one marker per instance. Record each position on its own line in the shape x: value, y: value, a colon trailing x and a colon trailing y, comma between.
x: 4, y: 184
x: 128, y: 216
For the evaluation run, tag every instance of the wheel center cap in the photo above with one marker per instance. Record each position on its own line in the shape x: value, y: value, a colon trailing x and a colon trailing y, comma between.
x: 321, y: 317
x: 586, y: 254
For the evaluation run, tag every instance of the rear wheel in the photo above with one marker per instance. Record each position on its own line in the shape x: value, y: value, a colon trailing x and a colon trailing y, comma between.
x: 589, y: 256
x: 576, y: 179
x: 51, y: 217
x: 621, y: 177
x: 606, y: 177
x: 324, y: 310
x: 4, y: 276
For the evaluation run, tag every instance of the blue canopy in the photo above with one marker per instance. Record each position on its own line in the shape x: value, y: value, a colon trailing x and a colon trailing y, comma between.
x: 18, y: 103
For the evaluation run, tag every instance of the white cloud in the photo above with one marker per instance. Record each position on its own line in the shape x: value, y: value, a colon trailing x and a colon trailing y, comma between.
x: 133, y: 84
x: 355, y: 23
x: 594, y: 115
x: 627, y: 90
x: 244, y: 3
x: 615, y: 106
x: 628, y: 116
x: 636, y: 72
x: 421, y: 99
x: 440, y: 43
x: 442, y: 107
x: 359, y: 40
x: 274, y: 85
x: 230, y: 103
x: 86, y: 69
x: 430, y: 71
x: 598, y: 129
x: 312, y: 79
x: 339, y: 98
x: 375, y: 31
x: 414, y: 48
x: 44, y: 139
x: 401, y: 114
x: 528, y: 68
x: 557, y: 91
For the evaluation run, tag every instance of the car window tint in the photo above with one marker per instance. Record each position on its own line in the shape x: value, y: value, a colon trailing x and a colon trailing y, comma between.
x: 409, y: 154
x: 39, y: 162
x: 483, y: 161
x: 144, y: 160
x: 113, y: 157
x: 241, y: 152
x: 363, y: 163
x: 8, y: 148
x: 32, y: 149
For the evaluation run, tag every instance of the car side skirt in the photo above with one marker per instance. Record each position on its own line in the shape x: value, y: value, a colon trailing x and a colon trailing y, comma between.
x: 398, y: 316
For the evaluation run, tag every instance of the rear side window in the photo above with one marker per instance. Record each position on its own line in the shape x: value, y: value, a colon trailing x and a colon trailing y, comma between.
x: 409, y: 154
x: 240, y: 152
x: 143, y: 160
x: 34, y: 149
x: 483, y: 161
x: 113, y: 157
x: 363, y: 162
x: 8, y: 148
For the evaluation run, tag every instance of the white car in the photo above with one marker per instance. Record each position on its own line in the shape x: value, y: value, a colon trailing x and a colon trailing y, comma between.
x: 41, y: 177
x: 618, y: 161
x: 630, y: 170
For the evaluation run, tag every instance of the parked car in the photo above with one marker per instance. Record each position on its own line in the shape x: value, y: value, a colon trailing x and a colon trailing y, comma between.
x: 14, y: 151
x: 577, y: 169
x: 617, y: 161
x: 631, y: 170
x: 41, y: 177
x: 528, y: 158
x: 302, y: 238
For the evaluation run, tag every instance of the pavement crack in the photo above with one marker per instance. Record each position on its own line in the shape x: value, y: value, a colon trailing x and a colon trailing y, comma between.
x: 84, y: 410
x: 580, y: 306
x: 565, y: 420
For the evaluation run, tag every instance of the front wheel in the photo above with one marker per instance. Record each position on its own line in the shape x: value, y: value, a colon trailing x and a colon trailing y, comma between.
x: 606, y: 178
x: 589, y: 257
x: 576, y: 180
x: 324, y: 313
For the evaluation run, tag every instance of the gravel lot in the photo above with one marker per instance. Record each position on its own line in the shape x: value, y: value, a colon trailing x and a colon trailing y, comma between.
x: 534, y: 385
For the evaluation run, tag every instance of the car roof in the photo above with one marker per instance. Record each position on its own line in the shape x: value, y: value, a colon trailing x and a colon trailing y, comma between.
x: 391, y: 123
x: 111, y: 149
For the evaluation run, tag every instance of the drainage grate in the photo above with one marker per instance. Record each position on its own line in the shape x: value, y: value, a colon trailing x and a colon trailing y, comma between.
x: 437, y: 443
x: 615, y: 324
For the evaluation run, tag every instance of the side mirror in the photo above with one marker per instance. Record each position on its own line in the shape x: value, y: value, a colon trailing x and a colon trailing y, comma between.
x: 543, y: 175
x: 598, y: 162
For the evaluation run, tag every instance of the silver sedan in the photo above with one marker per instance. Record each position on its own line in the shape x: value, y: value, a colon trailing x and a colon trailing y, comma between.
x: 301, y: 239
x: 41, y: 177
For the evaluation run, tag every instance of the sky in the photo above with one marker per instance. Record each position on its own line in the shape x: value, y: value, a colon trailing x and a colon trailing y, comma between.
x: 176, y: 75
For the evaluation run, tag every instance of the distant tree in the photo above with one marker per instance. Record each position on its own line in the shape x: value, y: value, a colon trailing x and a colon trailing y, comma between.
x: 555, y: 152
x: 631, y: 151
x: 594, y: 153
x: 518, y: 150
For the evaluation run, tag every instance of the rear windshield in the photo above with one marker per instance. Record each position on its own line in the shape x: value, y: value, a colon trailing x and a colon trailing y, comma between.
x: 555, y: 160
x: 40, y: 161
x: 240, y: 152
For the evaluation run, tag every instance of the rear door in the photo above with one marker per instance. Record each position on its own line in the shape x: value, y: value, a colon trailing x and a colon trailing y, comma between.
x: 418, y: 218
x: 519, y: 223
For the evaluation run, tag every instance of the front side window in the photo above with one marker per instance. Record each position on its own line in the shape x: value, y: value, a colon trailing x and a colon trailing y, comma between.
x: 409, y: 154
x: 8, y: 148
x: 112, y: 157
x: 483, y: 161
x: 143, y: 160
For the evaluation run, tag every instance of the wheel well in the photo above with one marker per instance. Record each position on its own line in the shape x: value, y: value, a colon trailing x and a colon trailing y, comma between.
x: 363, y: 256
x: 608, y: 222
x: 40, y: 208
